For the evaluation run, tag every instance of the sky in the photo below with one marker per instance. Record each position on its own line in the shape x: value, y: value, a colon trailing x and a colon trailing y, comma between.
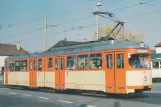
x: 23, y: 20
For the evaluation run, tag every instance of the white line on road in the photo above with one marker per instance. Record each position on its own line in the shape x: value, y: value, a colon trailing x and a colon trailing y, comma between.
x: 26, y: 95
x: 12, y: 92
x: 90, y: 106
x: 43, y: 98
x: 65, y: 101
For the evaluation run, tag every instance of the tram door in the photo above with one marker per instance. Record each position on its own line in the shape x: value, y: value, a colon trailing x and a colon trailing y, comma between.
x: 33, y: 73
x: 60, y: 72
x: 110, y: 74
x: 120, y: 72
x: 115, y: 73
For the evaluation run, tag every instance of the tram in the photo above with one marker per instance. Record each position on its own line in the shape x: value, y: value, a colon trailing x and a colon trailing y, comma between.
x: 109, y: 66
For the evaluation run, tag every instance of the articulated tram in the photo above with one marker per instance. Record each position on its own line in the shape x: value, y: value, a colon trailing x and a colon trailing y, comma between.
x: 110, y: 66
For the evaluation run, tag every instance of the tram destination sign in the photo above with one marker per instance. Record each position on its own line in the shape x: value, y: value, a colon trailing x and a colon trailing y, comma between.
x: 141, y: 50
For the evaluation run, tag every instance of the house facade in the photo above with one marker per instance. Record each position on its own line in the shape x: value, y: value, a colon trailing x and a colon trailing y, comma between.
x: 9, y: 50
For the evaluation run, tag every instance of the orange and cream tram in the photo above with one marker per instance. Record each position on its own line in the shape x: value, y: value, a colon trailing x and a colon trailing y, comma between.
x: 110, y: 66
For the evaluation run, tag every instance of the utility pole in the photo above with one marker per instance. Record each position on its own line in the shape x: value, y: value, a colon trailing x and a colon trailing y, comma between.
x: 97, y: 17
x: 45, y: 34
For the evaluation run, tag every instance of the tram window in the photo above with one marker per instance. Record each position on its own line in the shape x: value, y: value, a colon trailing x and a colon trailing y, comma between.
x: 83, y: 62
x: 17, y: 65
x: 50, y: 63
x: 35, y: 66
x: 155, y: 65
x: 11, y: 66
x: 71, y: 62
x: 139, y: 61
x: 30, y: 63
x: 109, y: 61
x: 23, y: 65
x: 95, y: 61
x: 56, y: 64
x: 62, y: 63
x: 120, y: 60
x: 40, y: 64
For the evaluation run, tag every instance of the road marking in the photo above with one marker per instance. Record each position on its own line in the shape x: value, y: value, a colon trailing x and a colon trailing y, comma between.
x: 43, y: 98
x: 65, y: 101
x: 90, y: 106
x: 12, y: 92
x: 26, y: 95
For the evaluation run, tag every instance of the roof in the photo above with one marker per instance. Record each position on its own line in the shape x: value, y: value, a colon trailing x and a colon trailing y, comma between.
x: 63, y: 43
x: 10, y: 50
x: 85, y: 47
x: 158, y: 44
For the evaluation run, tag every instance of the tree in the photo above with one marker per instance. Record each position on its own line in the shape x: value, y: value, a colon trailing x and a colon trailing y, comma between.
x: 132, y: 36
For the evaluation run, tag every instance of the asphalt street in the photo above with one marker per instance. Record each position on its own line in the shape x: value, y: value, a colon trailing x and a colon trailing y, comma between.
x: 28, y: 98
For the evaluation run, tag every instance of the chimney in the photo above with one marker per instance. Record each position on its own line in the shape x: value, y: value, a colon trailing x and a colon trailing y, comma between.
x: 18, y: 46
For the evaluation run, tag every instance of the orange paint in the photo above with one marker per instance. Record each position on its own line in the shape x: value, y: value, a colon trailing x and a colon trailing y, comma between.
x: 138, y: 87
x: 109, y: 74
x: 60, y: 73
x: 32, y: 73
x: 6, y: 73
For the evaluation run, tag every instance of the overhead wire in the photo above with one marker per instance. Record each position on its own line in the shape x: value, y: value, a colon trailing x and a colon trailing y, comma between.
x: 57, y: 14
x: 86, y: 17
x: 66, y: 12
x: 55, y: 25
x: 20, y: 34
x: 140, y: 3
x: 81, y: 27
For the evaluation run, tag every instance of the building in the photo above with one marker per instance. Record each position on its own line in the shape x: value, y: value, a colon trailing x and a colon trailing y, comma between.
x: 9, y: 50
x: 158, y: 48
x: 62, y: 43
x: 156, y: 63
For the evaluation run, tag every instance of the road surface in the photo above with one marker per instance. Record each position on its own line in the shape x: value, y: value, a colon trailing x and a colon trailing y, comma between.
x: 27, y: 98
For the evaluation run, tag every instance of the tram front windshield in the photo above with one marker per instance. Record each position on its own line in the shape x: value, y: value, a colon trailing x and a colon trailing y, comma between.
x: 139, y: 61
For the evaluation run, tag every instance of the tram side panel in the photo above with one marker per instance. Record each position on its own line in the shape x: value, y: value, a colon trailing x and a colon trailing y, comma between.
x: 78, y: 75
x: 85, y: 80
x: 49, y: 72
x: 17, y: 73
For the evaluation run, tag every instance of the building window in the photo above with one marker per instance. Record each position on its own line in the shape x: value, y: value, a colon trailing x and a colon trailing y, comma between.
x: 24, y: 65
x: 155, y: 65
x: 109, y: 61
x: 95, y: 61
x: 71, y: 62
x: 35, y: 65
x: 17, y: 65
x: 83, y: 62
x: 40, y: 64
x: 57, y: 64
x: 50, y: 63
x: 120, y: 60
x: 12, y: 66
x: 62, y: 64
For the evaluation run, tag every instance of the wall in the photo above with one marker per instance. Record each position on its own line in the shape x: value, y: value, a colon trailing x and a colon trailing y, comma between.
x: 2, y: 58
x: 158, y: 50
